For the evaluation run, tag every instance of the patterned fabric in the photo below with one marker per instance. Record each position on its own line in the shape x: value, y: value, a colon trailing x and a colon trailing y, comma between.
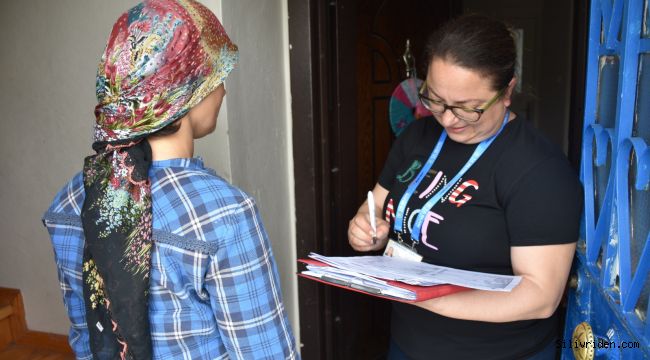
x: 404, y: 106
x: 214, y: 287
x: 162, y: 58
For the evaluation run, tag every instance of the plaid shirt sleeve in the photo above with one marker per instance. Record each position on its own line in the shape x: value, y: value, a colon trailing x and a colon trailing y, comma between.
x: 70, y: 283
x: 66, y: 233
x: 244, y: 288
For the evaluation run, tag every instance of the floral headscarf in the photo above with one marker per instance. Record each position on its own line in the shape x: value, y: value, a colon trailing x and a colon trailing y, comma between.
x: 162, y: 58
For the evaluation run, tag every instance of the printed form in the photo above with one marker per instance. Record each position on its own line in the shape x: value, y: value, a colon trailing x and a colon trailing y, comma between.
x: 372, y: 268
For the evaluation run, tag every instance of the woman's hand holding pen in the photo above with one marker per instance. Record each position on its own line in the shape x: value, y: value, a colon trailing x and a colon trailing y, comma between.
x: 360, y: 232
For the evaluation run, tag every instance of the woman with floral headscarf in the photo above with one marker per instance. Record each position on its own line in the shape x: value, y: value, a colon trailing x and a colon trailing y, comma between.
x: 157, y: 256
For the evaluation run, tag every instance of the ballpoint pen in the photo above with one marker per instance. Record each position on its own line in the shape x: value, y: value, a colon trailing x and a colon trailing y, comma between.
x: 373, y: 223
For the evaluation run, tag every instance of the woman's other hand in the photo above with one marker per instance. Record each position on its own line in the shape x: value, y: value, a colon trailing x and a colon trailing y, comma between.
x: 360, y: 232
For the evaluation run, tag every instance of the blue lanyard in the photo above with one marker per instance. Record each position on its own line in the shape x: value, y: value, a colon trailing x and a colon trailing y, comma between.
x: 399, y: 215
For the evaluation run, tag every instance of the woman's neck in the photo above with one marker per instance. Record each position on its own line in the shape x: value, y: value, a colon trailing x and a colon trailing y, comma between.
x: 177, y: 145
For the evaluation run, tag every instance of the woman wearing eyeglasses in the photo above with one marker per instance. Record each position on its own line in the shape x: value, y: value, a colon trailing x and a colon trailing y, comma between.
x: 475, y: 187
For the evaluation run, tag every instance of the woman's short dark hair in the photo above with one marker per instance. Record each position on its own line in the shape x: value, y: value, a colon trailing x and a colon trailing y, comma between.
x: 172, y: 128
x: 478, y: 43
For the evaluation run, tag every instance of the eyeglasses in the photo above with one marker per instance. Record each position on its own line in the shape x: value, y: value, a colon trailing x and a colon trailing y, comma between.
x: 438, y: 107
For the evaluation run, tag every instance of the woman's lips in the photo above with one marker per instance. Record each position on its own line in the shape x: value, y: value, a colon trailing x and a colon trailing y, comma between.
x: 456, y: 129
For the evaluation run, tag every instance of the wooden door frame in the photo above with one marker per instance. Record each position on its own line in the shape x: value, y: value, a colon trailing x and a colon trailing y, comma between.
x: 578, y: 77
x: 323, y: 113
x: 309, y: 165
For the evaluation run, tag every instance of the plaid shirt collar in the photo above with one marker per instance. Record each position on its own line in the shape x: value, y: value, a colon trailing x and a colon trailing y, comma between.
x: 195, y: 163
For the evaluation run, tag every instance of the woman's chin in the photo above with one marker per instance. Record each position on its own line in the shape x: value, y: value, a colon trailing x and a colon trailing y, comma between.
x: 462, y: 137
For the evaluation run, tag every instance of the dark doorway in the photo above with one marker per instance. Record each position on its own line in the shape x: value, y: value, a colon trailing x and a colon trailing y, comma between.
x: 345, y: 62
x: 383, y: 27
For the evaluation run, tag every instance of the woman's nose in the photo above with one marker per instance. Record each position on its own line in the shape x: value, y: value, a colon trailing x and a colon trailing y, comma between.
x: 448, y: 118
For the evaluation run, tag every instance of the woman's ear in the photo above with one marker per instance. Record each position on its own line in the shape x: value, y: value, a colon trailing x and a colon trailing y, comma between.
x: 507, y: 97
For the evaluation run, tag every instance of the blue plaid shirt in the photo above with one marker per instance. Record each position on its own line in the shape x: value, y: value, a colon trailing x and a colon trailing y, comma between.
x: 214, y: 286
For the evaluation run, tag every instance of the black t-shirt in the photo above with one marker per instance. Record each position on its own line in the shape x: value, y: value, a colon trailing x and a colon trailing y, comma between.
x: 522, y: 191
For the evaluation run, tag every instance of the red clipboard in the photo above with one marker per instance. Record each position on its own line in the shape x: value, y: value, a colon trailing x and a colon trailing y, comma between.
x: 421, y: 292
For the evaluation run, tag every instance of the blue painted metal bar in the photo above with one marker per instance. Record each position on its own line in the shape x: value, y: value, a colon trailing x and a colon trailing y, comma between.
x: 609, y: 294
x: 613, y: 26
x: 591, y: 81
x: 605, y: 51
x: 624, y: 124
x: 598, y: 230
x: 629, y: 69
x: 606, y: 13
x: 641, y: 276
x: 631, y: 294
x: 644, y: 46
x: 591, y: 94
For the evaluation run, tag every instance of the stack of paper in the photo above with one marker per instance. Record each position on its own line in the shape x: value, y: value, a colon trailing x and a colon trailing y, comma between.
x: 358, y: 281
x: 364, y: 269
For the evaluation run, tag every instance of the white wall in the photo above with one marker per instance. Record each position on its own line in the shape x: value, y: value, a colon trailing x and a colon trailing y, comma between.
x: 49, y: 52
x: 259, y: 114
x: 49, y: 55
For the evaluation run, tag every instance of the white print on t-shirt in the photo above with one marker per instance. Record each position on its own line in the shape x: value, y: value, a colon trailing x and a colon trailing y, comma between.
x: 440, y: 180
x: 433, y: 186
x: 456, y: 197
x: 390, y: 211
x: 430, y: 217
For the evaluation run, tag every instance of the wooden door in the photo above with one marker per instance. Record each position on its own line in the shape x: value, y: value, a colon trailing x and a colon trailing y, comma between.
x: 382, y: 30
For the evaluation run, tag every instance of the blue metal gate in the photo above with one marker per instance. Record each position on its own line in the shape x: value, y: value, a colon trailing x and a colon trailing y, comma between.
x: 607, y: 313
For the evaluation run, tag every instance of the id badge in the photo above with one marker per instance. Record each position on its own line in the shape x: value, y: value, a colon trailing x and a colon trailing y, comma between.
x: 400, y: 251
